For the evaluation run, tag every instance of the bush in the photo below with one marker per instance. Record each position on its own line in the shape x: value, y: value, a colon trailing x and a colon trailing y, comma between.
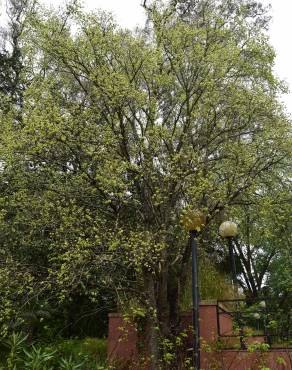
x: 17, y: 353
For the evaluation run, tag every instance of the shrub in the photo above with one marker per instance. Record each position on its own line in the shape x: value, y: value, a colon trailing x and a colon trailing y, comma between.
x: 73, y: 354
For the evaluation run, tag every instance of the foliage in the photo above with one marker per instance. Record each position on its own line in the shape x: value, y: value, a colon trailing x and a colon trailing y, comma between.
x: 120, y: 132
x: 265, y: 239
x: 70, y: 355
x: 208, y: 274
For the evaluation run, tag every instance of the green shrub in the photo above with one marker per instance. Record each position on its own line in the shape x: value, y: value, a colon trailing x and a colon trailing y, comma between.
x: 88, y: 354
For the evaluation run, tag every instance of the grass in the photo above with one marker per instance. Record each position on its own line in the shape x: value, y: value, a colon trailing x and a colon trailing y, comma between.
x: 93, y: 348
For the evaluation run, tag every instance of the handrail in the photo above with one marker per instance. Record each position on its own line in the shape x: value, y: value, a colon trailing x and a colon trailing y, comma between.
x: 258, y: 320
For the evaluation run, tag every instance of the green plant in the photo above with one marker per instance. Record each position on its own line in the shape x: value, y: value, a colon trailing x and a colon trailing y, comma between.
x: 38, y: 358
x: 281, y: 361
x: 73, y: 354
x: 96, y: 347
x: 263, y: 347
x: 91, y: 350
x: 70, y: 364
x: 15, y: 344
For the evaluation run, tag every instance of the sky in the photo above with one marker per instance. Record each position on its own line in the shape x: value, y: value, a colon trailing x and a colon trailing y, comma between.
x: 280, y: 33
x: 129, y: 13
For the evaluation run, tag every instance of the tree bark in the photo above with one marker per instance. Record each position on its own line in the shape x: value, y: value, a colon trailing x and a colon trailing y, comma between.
x: 162, y: 297
x: 152, y: 325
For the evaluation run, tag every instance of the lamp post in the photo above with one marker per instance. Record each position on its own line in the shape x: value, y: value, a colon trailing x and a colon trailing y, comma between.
x: 228, y: 230
x: 193, y: 221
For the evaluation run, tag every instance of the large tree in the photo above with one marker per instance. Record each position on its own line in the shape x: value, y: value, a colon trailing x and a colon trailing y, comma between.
x: 124, y: 130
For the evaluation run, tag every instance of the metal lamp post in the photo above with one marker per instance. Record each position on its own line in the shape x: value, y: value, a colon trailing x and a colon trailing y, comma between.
x: 228, y: 230
x: 193, y: 221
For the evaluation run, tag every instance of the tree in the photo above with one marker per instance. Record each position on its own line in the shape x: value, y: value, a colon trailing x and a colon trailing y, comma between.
x: 264, y: 239
x: 124, y: 130
x: 12, y: 82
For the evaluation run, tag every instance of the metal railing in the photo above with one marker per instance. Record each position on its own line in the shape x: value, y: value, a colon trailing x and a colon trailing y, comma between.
x: 242, y: 322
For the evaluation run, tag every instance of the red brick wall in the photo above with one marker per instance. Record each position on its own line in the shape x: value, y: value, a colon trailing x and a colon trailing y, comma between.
x: 123, y: 342
x: 123, y: 338
x: 243, y: 360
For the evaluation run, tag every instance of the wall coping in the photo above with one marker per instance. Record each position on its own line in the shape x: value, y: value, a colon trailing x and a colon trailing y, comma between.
x: 208, y: 302
x: 115, y: 314
x: 183, y: 313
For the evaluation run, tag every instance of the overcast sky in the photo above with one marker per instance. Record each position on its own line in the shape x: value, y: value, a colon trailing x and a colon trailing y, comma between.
x: 129, y: 13
x: 280, y: 33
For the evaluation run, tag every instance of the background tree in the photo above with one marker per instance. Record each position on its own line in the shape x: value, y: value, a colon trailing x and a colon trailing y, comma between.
x: 12, y: 68
x: 264, y: 223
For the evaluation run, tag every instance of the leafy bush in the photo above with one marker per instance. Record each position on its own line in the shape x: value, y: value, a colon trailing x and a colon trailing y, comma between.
x: 37, y: 358
x: 17, y: 353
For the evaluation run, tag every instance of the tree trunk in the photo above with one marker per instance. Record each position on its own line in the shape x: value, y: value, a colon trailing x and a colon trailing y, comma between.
x: 152, y: 325
x: 163, y: 319
x: 162, y: 298
x: 173, y: 302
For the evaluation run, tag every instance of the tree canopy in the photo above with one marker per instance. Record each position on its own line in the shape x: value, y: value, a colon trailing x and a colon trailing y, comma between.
x: 120, y: 132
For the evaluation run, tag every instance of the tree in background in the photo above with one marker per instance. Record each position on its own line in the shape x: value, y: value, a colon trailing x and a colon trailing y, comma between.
x: 265, y: 241
x: 12, y: 74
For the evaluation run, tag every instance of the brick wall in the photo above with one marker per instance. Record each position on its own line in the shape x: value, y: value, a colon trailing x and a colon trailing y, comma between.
x: 123, y: 343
